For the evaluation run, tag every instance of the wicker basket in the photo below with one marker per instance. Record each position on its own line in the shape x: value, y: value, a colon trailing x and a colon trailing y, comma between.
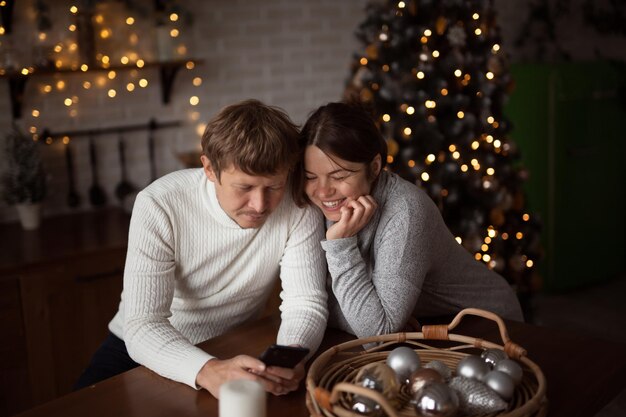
x: 330, y: 379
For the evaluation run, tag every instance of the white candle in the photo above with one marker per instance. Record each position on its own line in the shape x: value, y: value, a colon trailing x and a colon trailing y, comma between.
x: 242, y: 398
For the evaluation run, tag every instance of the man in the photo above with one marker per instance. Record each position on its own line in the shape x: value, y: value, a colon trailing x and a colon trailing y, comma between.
x: 205, y: 247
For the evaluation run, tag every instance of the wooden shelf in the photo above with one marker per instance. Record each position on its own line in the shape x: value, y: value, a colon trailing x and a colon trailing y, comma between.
x: 17, y: 80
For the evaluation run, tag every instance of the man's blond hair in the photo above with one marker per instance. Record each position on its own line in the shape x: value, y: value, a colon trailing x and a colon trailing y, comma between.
x: 251, y: 136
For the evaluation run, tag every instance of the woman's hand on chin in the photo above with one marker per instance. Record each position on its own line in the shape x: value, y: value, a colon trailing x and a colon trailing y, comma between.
x: 355, y: 214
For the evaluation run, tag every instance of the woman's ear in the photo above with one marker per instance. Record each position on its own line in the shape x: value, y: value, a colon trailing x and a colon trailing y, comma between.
x: 375, y: 166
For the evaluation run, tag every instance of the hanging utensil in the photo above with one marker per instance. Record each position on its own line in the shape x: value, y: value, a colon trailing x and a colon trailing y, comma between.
x: 97, y: 196
x: 124, y: 187
x: 151, y: 129
x: 73, y: 199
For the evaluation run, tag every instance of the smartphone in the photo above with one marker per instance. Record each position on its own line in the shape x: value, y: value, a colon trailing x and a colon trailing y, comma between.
x: 283, y: 356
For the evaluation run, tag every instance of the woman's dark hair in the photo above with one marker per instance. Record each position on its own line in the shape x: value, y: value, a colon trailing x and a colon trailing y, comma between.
x: 343, y: 130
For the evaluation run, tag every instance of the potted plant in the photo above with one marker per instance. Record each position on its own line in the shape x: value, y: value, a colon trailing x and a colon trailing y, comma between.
x: 23, y: 182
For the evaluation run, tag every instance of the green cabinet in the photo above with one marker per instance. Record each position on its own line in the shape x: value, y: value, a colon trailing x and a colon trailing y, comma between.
x: 569, y: 122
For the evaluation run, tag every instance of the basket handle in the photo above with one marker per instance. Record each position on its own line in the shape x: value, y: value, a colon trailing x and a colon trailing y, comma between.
x: 364, y: 392
x: 440, y: 332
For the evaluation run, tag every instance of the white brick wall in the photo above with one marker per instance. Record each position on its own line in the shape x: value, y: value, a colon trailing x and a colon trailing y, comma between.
x: 291, y: 53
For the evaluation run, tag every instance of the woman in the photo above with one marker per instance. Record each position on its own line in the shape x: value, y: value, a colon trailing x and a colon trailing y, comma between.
x: 390, y: 256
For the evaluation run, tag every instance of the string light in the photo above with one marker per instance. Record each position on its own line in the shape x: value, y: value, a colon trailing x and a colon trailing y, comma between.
x: 86, y: 85
x: 111, y: 75
x: 140, y: 63
x: 67, y: 102
x: 491, y: 171
x: 478, y: 32
x: 35, y: 113
x: 124, y: 60
x: 190, y: 65
x: 73, y: 9
x: 458, y: 239
x: 363, y: 61
x: 130, y: 86
x: 420, y: 75
x: 84, y: 67
x: 65, y: 140
x: 174, y: 33
x: 197, y: 81
x: 60, y: 85
x: 194, y: 100
x: 430, y: 104
x: 130, y: 20
x: 525, y: 217
x: 401, y: 5
x: 495, y: 48
x: 425, y: 176
x: 143, y: 83
x: 173, y: 17
x: 529, y: 263
x: 386, y: 118
x: 411, y: 163
x: 407, y: 131
x: 489, y: 75
x: 112, y: 93
x: 430, y: 158
x: 475, y: 16
x: 410, y: 110
x: 435, y: 54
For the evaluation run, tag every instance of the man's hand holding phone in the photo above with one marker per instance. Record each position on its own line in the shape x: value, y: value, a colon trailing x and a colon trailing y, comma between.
x: 284, y: 365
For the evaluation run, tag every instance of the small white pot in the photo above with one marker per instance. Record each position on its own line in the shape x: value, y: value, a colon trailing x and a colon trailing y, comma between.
x: 30, y: 215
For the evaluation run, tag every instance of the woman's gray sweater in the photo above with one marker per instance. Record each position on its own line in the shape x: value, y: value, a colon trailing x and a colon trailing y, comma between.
x: 405, y: 262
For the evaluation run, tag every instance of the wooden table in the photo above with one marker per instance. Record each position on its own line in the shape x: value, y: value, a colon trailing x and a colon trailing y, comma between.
x: 582, y: 375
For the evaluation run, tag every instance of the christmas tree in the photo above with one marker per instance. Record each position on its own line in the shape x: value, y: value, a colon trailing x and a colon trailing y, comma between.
x: 436, y: 79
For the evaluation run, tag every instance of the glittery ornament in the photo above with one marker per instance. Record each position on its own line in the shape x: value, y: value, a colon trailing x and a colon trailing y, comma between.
x: 366, y: 406
x: 404, y: 361
x: 501, y: 383
x: 422, y: 377
x: 440, y: 367
x: 511, y: 368
x: 493, y: 356
x: 472, y: 367
x: 456, y: 36
x: 436, y: 400
x: 475, y: 397
x: 379, y: 377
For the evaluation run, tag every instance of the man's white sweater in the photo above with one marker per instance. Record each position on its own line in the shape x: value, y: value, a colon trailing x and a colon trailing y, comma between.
x: 192, y: 274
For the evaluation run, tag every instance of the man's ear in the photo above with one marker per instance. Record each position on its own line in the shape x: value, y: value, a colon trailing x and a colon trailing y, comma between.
x: 375, y: 166
x: 208, y: 169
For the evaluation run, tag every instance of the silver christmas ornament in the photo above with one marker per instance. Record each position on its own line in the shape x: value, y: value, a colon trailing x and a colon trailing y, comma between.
x: 493, y: 356
x: 404, y: 361
x: 436, y: 400
x: 501, y: 383
x: 472, y: 367
x: 366, y: 406
x: 422, y: 377
x: 511, y: 368
x: 440, y: 367
x: 379, y: 377
x: 475, y: 397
